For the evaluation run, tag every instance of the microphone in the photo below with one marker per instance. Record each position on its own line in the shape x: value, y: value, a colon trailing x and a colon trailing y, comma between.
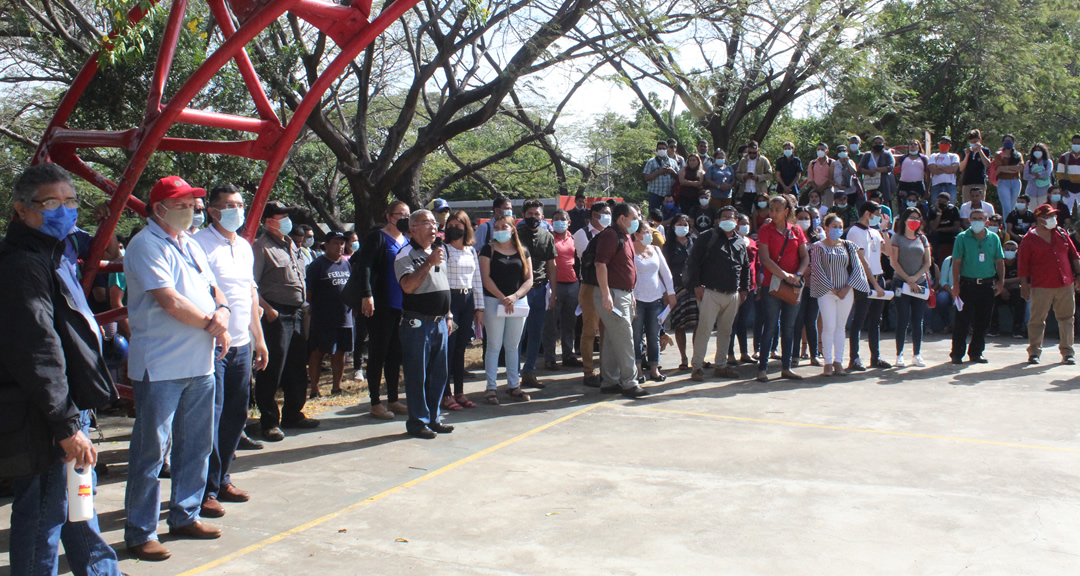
x: 437, y: 245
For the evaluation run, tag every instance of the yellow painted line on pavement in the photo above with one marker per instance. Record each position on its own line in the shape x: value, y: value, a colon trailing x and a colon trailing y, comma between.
x: 357, y: 505
x: 845, y: 429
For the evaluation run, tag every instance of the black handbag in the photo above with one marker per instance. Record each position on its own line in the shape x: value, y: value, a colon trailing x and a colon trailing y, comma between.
x: 27, y: 447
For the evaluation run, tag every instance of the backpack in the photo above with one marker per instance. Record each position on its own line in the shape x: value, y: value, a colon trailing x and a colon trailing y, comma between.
x: 588, y: 259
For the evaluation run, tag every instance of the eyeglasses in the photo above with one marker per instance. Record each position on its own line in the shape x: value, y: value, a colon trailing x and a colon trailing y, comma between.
x: 54, y: 203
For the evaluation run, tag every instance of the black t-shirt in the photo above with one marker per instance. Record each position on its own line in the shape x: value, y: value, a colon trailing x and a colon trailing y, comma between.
x: 949, y: 216
x: 787, y: 168
x: 1022, y: 222
x: 508, y: 272
x: 975, y: 172
x: 703, y: 217
x: 325, y: 283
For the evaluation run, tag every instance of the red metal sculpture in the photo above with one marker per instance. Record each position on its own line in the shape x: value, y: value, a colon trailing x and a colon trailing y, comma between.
x: 348, y: 26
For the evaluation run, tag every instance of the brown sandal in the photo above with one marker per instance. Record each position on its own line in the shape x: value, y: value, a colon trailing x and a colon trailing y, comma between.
x: 517, y: 394
x: 492, y: 397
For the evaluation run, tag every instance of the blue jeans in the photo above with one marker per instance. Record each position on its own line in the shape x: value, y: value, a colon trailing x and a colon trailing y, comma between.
x: 742, y: 320
x: 646, y: 326
x: 423, y: 343
x: 1008, y: 190
x: 501, y: 333
x: 534, y: 328
x: 232, y: 376
x: 462, y: 306
x: 39, y: 524
x: 939, y: 188
x: 909, y: 309
x: 185, y: 407
x: 776, y: 310
x: 865, y: 316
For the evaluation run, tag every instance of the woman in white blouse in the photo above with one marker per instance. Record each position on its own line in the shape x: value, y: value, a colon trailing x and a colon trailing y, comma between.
x: 466, y: 304
x: 834, y: 271
x: 653, y: 291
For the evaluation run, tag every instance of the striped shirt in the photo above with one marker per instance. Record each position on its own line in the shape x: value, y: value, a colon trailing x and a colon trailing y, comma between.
x: 1068, y: 172
x: 833, y: 267
x: 463, y: 272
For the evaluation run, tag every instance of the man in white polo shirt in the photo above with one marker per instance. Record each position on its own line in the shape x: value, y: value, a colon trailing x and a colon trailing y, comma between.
x: 232, y: 263
x: 176, y: 314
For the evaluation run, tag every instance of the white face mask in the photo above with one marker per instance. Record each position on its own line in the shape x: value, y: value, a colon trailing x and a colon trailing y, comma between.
x: 804, y: 224
x: 1051, y: 223
x: 646, y: 239
x: 661, y: 153
x: 744, y: 230
x: 820, y: 153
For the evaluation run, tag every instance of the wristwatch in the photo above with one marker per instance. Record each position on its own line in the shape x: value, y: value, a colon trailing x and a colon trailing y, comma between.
x: 220, y: 306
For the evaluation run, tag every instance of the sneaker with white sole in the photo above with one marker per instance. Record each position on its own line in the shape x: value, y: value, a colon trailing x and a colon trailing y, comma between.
x: 919, y: 361
x: 900, y: 361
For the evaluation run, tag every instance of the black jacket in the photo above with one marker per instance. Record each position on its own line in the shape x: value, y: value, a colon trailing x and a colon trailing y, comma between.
x: 49, y: 351
x: 718, y: 263
x: 368, y: 269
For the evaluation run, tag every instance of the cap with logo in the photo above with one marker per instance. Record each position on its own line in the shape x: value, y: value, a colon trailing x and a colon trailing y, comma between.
x: 173, y: 187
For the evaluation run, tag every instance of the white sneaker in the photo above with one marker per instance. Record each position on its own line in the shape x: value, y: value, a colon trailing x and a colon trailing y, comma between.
x: 919, y: 361
x: 899, y: 361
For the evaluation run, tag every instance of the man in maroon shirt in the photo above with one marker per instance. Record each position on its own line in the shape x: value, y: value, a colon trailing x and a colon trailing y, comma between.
x: 614, y: 299
x: 1049, y: 270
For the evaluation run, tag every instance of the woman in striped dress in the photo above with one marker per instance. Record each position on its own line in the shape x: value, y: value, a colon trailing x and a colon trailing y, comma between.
x: 834, y: 272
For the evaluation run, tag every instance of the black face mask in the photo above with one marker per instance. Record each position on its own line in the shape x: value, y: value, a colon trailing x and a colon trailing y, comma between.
x: 403, y: 225
x: 455, y: 234
x: 532, y: 222
x: 879, y: 147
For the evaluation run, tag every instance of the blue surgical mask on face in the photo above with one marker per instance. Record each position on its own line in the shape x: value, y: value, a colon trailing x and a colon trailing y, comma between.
x: 762, y: 205
x: 231, y: 219
x: 646, y: 239
x: 682, y: 231
x: 198, y: 219
x: 1008, y: 145
x: 912, y: 204
x: 285, y: 225
x: 605, y: 220
x: 501, y: 236
x: 788, y: 152
x: 1021, y: 206
x: 841, y: 155
x: 703, y: 201
x: 509, y: 213
x: 1055, y: 198
x: 1076, y: 148
x: 721, y: 161
x: 993, y: 229
x: 59, y: 222
x: 835, y: 233
x: 353, y: 246
x: 853, y: 147
x: 978, y: 226
x: 1010, y: 254
x: 559, y: 225
x: 744, y: 230
x: 669, y: 205
x: 633, y: 226
x: 728, y: 225
x: 875, y: 221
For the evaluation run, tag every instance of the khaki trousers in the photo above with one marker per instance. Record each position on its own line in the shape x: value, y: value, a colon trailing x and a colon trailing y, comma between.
x: 1064, y: 305
x: 716, y: 310
x: 590, y: 323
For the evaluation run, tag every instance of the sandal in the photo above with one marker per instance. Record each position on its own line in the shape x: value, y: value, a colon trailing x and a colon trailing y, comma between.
x: 448, y: 403
x: 684, y: 367
x: 463, y: 400
x: 492, y: 397
x: 517, y: 394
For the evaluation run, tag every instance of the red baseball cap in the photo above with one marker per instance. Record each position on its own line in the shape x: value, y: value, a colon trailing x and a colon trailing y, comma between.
x: 173, y: 187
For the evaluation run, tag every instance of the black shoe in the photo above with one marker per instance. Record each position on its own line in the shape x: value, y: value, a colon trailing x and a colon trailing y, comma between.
x: 980, y: 360
x: 592, y: 381
x: 165, y: 472
x: 551, y: 366
x: 609, y: 388
x: 273, y: 435
x: 957, y: 360
x: 1069, y: 360
x: 1033, y: 359
x: 571, y: 363
x: 879, y: 363
x: 247, y: 443
x: 441, y: 428
x: 658, y: 378
x: 425, y: 433
x: 304, y: 422
x: 635, y: 392
x: 641, y: 379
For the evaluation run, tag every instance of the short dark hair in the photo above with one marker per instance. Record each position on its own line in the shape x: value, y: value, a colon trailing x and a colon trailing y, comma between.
x: 869, y: 206
x: 300, y: 230
x: 26, y: 187
x: 220, y: 190
x: 499, y: 201
x: 656, y: 214
x: 974, y: 134
x: 659, y: 142
x: 728, y: 208
x: 752, y: 144
x: 598, y: 207
x: 532, y: 203
x: 1024, y: 196
x: 622, y: 209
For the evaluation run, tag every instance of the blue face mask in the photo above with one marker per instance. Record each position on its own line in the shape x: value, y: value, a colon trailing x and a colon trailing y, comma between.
x: 559, y: 225
x: 744, y: 230
x: 509, y: 213
x: 605, y: 220
x: 875, y: 221
x: 912, y: 204
x: 1055, y: 198
x: 1008, y: 145
x: 842, y: 155
x: 231, y: 219
x: 646, y: 239
x: 353, y: 246
x: 669, y: 205
x: 1076, y: 148
x: 978, y: 226
x: 501, y: 236
x: 728, y: 225
x: 632, y: 228
x: 285, y: 225
x: 835, y: 233
x: 853, y: 147
x: 762, y: 205
x: 59, y: 222
x: 198, y: 219
x: 682, y: 231
x: 1010, y: 254
x: 788, y: 153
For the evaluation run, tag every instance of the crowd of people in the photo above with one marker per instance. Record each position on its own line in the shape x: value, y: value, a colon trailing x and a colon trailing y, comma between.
x: 803, y: 260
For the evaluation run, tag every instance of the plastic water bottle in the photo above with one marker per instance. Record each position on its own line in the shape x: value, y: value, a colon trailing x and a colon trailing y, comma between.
x: 80, y: 493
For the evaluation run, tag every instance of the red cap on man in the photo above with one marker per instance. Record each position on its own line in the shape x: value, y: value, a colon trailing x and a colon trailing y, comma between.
x: 172, y: 187
x: 1045, y: 211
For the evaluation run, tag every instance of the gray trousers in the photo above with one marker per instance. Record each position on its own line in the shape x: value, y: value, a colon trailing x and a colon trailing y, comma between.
x: 560, y: 320
x: 617, y: 364
x: 718, y: 310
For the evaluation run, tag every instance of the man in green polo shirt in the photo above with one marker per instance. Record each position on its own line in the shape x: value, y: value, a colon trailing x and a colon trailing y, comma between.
x: 978, y: 261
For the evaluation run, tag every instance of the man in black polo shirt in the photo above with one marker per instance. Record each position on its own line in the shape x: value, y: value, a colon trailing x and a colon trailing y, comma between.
x: 425, y: 325
x: 945, y: 225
